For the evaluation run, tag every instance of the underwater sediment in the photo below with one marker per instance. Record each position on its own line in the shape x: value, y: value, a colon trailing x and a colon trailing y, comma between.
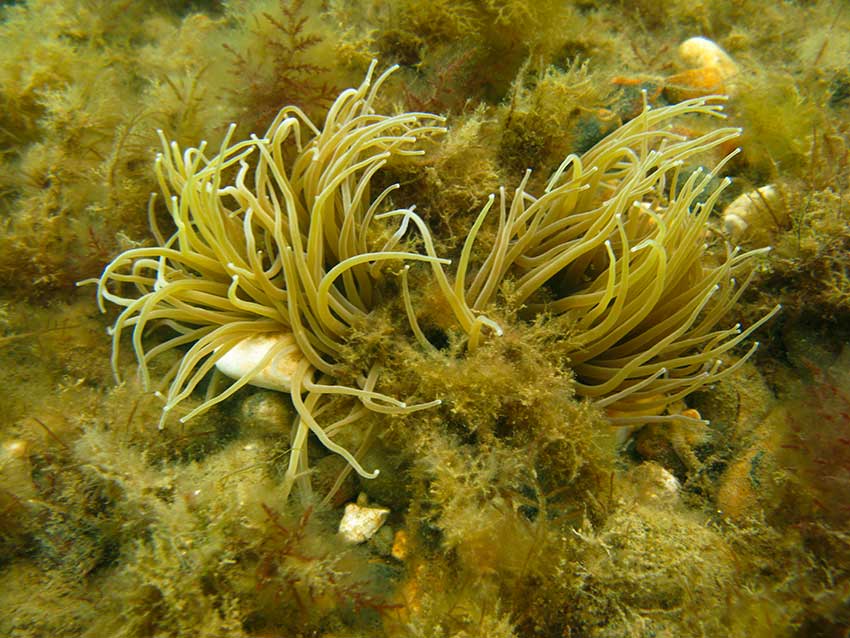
x: 466, y: 318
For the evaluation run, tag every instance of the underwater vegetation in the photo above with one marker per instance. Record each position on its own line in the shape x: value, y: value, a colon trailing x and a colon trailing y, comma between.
x: 441, y: 321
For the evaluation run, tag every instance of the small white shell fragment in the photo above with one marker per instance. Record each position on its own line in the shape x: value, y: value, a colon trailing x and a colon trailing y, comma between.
x: 701, y: 52
x: 245, y: 355
x: 753, y: 216
x: 360, y: 523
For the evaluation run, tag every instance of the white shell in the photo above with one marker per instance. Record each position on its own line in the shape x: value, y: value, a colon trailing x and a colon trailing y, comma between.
x: 359, y: 523
x: 701, y: 52
x: 245, y: 355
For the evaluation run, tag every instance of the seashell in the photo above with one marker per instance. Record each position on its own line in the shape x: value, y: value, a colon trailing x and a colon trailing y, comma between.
x: 360, y: 523
x: 754, y: 216
x: 245, y: 355
x: 700, y: 52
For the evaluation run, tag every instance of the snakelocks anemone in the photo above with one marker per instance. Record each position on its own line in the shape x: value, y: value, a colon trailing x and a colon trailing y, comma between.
x: 279, y: 244
x: 268, y: 271
x: 616, y: 242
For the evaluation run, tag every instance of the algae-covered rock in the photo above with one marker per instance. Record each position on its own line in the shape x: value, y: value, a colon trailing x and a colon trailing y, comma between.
x: 652, y: 571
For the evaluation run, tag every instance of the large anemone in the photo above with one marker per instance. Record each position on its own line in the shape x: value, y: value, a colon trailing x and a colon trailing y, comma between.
x: 280, y: 242
x: 278, y: 246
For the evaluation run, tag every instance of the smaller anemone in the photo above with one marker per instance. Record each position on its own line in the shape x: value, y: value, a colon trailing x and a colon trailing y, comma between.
x: 276, y: 256
x: 615, y: 245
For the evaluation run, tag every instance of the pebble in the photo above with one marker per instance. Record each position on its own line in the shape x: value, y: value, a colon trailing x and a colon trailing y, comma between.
x: 265, y: 412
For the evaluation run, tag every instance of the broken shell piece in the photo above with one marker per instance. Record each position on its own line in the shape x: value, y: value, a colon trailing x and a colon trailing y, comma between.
x: 754, y: 216
x: 360, y: 523
x: 248, y: 353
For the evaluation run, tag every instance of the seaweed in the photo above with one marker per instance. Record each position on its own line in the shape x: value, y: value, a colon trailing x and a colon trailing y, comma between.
x: 277, y: 61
